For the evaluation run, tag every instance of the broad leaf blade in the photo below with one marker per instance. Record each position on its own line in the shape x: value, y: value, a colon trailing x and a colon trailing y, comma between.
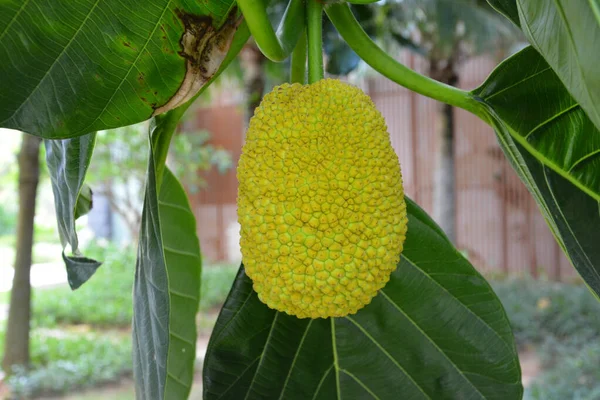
x: 73, y: 67
x: 166, y: 294
x: 167, y: 282
x: 68, y: 161
x: 573, y: 216
x: 567, y: 34
x: 540, y: 114
x: 435, y: 331
x: 523, y: 93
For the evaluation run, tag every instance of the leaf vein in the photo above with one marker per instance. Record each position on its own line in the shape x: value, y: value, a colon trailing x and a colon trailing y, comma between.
x: 388, y: 355
x: 360, y: 383
x: 295, y: 358
x: 432, y: 342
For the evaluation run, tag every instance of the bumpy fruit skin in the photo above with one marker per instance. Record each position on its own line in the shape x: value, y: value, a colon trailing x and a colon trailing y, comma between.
x: 320, y: 200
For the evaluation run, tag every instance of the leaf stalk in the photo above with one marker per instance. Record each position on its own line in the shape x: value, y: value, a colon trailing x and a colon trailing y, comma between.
x: 314, y: 27
x: 276, y: 46
x: 342, y: 18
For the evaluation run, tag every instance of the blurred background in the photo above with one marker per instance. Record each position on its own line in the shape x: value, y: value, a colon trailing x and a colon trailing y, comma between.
x: 451, y: 164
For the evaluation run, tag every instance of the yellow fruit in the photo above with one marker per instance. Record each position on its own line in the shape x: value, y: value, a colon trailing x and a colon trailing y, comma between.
x: 320, y: 200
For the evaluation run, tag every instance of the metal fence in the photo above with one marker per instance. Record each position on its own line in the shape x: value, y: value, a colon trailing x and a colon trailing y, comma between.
x: 499, y: 226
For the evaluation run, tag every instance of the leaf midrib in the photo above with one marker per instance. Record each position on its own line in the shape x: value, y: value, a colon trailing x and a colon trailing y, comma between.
x: 562, y: 171
x: 552, y: 165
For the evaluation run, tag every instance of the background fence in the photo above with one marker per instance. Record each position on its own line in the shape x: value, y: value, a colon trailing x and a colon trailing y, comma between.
x: 499, y: 226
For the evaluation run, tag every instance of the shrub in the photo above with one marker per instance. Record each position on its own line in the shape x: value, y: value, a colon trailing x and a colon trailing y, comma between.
x: 106, y: 300
x: 574, y: 375
x: 538, y: 310
x: 561, y: 321
x: 62, y: 361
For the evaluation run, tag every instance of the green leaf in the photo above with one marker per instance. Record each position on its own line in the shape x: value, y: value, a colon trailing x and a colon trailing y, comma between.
x: 573, y: 216
x: 436, y: 331
x: 523, y: 95
x: 167, y: 279
x: 508, y: 8
x: 166, y: 291
x: 73, y: 67
x: 532, y: 104
x: 567, y: 34
x: 68, y: 161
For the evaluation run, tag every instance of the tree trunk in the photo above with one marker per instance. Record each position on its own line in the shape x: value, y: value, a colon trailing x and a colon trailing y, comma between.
x: 444, y: 188
x: 16, y: 346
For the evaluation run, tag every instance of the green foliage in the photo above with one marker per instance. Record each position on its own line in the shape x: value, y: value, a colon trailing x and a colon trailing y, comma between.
x: 216, y: 284
x: 190, y: 154
x: 167, y: 284
x: 63, y: 361
x: 573, y: 375
x: 125, y: 149
x: 566, y: 47
x: 538, y: 310
x: 435, y: 307
x: 106, y: 300
x: 554, y: 149
x: 437, y: 330
x: 68, y: 161
x: 445, y: 29
x: 124, y: 80
x: 560, y: 322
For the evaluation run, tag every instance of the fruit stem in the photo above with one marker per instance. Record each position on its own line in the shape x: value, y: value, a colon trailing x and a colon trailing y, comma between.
x: 298, y: 65
x: 275, y: 46
x: 314, y: 26
x: 342, y: 18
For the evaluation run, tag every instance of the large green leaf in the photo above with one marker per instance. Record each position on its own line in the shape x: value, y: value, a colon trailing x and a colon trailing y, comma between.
x: 68, y: 161
x: 436, y: 331
x: 167, y: 282
x: 166, y: 292
x: 540, y: 114
x: 555, y: 148
x: 573, y: 216
x: 567, y: 34
x: 508, y: 8
x: 73, y: 67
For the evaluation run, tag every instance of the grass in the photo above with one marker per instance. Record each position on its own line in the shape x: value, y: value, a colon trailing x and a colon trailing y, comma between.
x: 63, y: 361
x: 68, y: 357
x: 106, y: 300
